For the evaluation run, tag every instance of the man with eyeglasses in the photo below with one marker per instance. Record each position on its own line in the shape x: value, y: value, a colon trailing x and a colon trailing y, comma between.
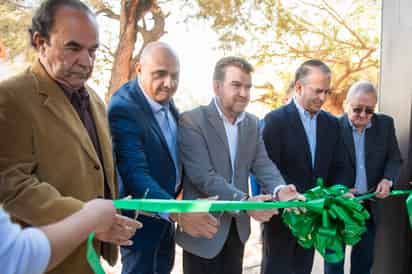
x: 373, y: 164
x: 303, y: 141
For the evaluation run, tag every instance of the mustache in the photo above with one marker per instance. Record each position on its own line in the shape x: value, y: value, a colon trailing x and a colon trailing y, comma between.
x: 242, y: 100
x: 82, y: 74
x: 163, y: 89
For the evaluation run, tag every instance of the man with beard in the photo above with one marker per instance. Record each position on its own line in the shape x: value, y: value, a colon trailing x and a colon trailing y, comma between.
x: 220, y: 145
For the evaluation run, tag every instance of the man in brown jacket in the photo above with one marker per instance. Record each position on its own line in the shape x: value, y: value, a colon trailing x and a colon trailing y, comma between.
x: 55, y: 149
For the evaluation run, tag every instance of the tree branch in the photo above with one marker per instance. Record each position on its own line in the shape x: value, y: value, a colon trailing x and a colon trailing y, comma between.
x: 335, y: 15
x: 18, y: 5
x: 108, y: 13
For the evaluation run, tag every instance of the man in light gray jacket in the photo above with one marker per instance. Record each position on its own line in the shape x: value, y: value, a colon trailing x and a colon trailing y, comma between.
x: 220, y: 145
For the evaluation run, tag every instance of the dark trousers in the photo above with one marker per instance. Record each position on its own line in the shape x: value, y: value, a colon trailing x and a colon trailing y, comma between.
x: 228, y: 261
x: 281, y: 252
x: 159, y: 260
x: 361, y: 255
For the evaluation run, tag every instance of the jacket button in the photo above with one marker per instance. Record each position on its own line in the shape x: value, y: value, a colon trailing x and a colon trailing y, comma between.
x: 97, y: 167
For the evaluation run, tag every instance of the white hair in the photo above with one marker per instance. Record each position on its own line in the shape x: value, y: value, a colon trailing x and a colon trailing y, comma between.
x: 362, y: 86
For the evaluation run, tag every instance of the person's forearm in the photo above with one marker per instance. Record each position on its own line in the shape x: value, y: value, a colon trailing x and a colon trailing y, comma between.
x: 68, y: 234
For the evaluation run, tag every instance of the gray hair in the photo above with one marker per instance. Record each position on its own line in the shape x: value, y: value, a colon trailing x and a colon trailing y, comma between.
x: 362, y: 86
x: 306, y: 68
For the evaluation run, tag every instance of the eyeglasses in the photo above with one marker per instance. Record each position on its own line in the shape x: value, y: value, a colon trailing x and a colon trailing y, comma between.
x: 367, y: 110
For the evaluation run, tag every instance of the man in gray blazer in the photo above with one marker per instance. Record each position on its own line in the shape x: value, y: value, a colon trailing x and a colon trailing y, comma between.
x: 220, y: 144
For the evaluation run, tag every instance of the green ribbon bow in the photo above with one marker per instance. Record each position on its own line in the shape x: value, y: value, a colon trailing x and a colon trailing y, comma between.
x: 330, y: 222
x: 341, y: 222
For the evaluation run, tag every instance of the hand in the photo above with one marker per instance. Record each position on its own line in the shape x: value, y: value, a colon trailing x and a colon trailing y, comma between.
x: 349, y: 195
x: 121, y: 230
x: 200, y: 224
x: 102, y: 211
x: 383, y: 189
x: 144, y: 213
x: 352, y: 192
x: 289, y: 192
x: 262, y: 215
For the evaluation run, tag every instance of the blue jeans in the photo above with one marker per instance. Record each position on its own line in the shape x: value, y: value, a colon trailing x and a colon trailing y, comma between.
x: 361, y: 256
x: 159, y: 260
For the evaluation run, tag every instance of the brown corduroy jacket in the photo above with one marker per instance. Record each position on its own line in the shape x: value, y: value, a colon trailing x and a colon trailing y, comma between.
x: 48, y: 163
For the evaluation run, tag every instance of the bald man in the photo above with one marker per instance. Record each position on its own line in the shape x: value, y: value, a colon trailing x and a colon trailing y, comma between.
x: 143, y: 122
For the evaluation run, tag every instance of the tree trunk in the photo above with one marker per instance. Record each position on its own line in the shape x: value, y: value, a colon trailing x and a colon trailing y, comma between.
x: 334, y: 104
x: 131, y: 12
x: 2, y: 51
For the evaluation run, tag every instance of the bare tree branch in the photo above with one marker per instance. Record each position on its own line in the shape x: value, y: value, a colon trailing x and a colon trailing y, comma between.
x: 335, y: 15
x: 107, y: 50
x: 108, y: 13
x: 18, y: 5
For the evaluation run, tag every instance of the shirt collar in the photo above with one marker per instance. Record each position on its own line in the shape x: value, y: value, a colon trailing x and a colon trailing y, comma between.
x: 303, y: 112
x: 80, y: 94
x: 239, y: 119
x: 69, y: 92
x: 155, y: 106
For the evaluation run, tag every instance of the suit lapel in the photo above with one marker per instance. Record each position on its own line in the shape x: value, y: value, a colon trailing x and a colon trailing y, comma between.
x: 139, y: 99
x: 371, y: 136
x: 321, y: 130
x: 348, y: 139
x: 299, y: 131
x: 99, y: 117
x: 217, y: 123
x: 58, y: 104
x: 243, y: 141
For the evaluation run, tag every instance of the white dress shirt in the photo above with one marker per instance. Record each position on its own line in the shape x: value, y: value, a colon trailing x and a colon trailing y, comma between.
x: 232, y: 132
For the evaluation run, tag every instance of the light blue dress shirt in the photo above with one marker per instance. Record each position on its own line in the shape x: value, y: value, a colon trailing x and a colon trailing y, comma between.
x: 22, y: 251
x: 168, y: 127
x: 310, y: 125
x: 361, y: 183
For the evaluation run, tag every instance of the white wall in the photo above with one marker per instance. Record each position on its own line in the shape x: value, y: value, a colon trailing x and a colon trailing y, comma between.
x: 393, y: 241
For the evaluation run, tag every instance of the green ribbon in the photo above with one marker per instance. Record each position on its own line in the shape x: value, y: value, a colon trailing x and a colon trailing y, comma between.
x: 342, y: 221
x: 409, y: 207
x: 331, y: 220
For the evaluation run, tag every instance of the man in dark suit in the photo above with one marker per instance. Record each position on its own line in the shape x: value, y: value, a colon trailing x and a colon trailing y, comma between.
x: 143, y: 122
x: 301, y: 139
x: 374, y: 163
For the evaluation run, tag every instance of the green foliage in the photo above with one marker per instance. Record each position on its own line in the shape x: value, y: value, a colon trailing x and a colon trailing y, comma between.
x: 280, y: 34
x: 276, y: 35
x: 14, y: 23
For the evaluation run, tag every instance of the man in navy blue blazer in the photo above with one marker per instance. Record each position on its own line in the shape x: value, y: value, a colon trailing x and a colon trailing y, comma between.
x: 143, y: 122
x: 373, y: 165
x: 303, y: 141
